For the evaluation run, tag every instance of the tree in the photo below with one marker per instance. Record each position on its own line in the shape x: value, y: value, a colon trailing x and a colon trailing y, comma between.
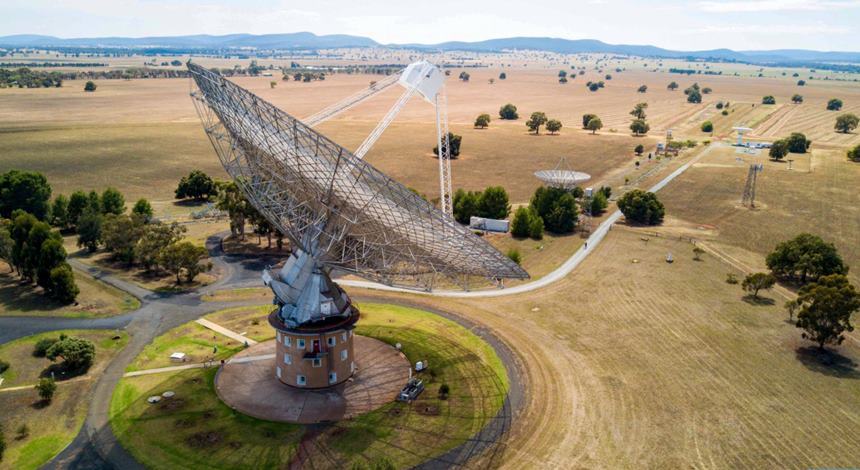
x: 94, y: 202
x: 801, y: 82
x: 639, y: 127
x: 51, y: 255
x: 594, y: 125
x: 503, y: 76
x: 197, y: 185
x: 556, y: 207
x: 232, y: 200
x: 706, y: 91
x: 641, y: 207
x: 778, y: 150
x: 482, y: 121
x: 642, y: 89
x: 598, y: 203
x: 697, y: 253
x: 112, y: 202
x: 769, y: 99
x: 707, y: 126
x: 508, y: 112
x: 640, y: 149
x: 798, y: 143
x: 454, y: 141
x: 536, y: 120
x: 63, y: 287
x: 6, y: 246
x: 562, y: 80
x: 20, y: 234
x: 694, y: 96
x: 553, y: 126
x: 78, y: 354
x: 154, y: 238
x: 40, y: 233
x: 46, y: 387
x: 142, y: 209
x: 120, y: 234
x: 28, y: 191
x: 465, y: 205
x: 672, y: 86
x: 797, y: 99
x: 536, y: 227
x: 639, y: 110
x: 805, y: 258
x: 60, y: 212
x: 493, y: 203
x: 757, y: 281
x: 593, y: 86
x: 90, y: 86
x: 77, y: 204
x: 854, y: 154
x: 586, y: 118
x: 847, y: 123
x: 835, y: 104
x: 184, y: 257
x: 464, y: 76
x: 90, y: 230
x: 824, y: 309
x: 520, y: 222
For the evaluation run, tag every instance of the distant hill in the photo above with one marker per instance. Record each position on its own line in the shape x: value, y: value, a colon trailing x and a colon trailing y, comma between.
x: 305, y: 40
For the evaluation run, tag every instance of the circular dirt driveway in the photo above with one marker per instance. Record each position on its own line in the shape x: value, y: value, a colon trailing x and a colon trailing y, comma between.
x: 247, y: 383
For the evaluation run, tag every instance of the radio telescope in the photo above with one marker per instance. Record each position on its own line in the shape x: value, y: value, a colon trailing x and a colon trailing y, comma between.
x: 340, y: 214
x: 562, y: 176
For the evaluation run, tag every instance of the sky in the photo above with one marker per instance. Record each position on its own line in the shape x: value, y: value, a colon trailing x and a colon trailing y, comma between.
x: 673, y: 24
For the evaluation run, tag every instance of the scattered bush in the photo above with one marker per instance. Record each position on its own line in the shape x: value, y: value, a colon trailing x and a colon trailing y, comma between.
x: 731, y: 278
x: 707, y: 126
x: 769, y: 99
x: 643, y: 89
x: 835, y: 104
x: 90, y: 86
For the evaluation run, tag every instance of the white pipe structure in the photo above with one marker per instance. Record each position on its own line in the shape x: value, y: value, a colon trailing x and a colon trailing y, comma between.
x: 425, y: 79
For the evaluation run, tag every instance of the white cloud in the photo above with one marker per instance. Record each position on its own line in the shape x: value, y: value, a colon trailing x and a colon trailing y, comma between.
x: 776, y: 5
x: 768, y: 29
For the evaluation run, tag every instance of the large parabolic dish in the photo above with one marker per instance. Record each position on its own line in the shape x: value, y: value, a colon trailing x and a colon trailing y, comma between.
x: 343, y: 212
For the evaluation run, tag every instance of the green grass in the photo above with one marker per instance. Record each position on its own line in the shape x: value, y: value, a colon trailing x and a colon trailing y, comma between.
x: 164, y: 437
x: 196, y: 341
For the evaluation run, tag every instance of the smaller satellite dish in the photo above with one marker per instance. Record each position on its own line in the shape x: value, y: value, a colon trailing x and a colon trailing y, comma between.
x: 562, y: 176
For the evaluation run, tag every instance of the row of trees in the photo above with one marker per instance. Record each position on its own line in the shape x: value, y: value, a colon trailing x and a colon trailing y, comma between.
x: 27, y: 243
x: 795, y: 143
x: 491, y: 203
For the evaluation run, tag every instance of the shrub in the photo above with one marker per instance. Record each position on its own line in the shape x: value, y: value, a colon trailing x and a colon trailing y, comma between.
x: 854, y: 154
x: 725, y: 112
x: 42, y: 346
x: 835, y: 104
x: 509, y: 112
x: 514, y: 255
x: 639, y: 149
x: 731, y: 278
x: 90, y: 86
x: 769, y: 99
x: 78, y: 354
x: 4, y: 366
x: 482, y: 121
x: 707, y: 126
x: 46, y: 388
x: 641, y: 207
x: 493, y: 203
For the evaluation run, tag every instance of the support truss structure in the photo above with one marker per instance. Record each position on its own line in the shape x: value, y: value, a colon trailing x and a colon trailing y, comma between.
x: 330, y: 204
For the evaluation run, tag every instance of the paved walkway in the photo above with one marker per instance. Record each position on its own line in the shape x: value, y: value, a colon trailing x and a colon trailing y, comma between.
x: 226, y: 332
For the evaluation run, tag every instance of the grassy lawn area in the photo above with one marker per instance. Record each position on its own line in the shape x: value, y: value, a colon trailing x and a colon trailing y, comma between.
x: 95, y: 299
x: 49, y: 428
x: 195, y: 428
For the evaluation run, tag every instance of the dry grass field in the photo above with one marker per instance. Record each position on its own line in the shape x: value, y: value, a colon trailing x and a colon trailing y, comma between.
x: 817, y: 196
x: 634, y: 362
x: 95, y: 299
